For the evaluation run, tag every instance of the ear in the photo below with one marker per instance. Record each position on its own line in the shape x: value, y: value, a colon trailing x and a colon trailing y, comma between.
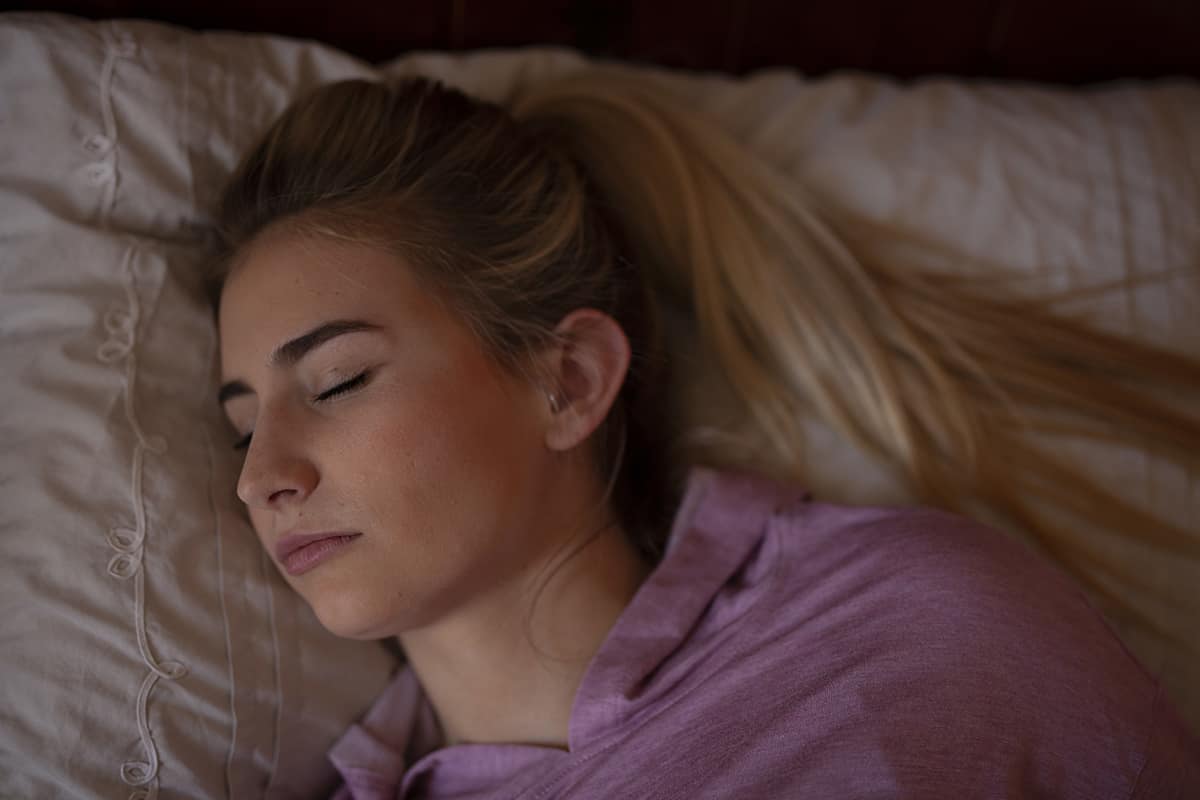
x: 585, y: 371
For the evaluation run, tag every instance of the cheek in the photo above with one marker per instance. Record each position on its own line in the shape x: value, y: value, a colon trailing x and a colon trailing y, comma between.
x: 444, y: 457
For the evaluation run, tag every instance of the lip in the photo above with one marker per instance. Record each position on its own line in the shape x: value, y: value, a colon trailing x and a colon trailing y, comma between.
x: 300, y: 552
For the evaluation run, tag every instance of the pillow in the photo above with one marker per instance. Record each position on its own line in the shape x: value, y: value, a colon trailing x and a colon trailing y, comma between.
x: 148, y: 644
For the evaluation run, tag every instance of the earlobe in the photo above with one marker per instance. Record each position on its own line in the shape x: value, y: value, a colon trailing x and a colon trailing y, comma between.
x: 587, y: 371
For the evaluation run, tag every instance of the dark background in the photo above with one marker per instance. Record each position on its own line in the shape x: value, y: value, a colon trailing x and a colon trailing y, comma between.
x: 1062, y: 41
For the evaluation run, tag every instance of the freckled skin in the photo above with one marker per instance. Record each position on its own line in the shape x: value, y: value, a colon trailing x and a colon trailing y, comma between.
x: 438, y: 460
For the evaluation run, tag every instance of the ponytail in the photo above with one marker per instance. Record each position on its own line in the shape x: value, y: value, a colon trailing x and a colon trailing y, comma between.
x: 961, y: 390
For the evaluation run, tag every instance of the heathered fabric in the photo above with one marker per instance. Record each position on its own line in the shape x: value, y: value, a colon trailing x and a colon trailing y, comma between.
x: 787, y: 648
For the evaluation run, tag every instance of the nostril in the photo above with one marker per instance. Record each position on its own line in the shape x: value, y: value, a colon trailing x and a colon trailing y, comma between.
x: 276, y: 494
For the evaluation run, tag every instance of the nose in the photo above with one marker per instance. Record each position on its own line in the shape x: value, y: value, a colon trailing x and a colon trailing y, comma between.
x: 274, y: 473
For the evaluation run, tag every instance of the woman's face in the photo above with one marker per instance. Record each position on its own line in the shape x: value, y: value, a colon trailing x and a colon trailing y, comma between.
x: 395, y: 427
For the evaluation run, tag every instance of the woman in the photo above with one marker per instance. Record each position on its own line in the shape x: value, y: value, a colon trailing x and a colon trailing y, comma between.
x: 441, y: 343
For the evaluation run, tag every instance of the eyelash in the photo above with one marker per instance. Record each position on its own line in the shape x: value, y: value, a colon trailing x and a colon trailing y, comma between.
x: 341, y: 388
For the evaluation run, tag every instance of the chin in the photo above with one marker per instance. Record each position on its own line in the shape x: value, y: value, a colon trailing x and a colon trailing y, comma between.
x: 348, y: 617
x: 354, y: 629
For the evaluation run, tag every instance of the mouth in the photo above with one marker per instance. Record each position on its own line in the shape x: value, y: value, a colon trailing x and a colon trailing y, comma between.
x: 298, y: 553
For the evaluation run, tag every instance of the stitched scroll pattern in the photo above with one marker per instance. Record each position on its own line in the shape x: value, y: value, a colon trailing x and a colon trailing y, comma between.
x: 128, y: 540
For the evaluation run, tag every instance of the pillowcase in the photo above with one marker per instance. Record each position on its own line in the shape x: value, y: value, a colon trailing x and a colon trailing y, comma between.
x: 148, y: 644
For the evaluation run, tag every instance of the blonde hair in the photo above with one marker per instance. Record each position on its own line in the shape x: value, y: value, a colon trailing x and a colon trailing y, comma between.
x: 599, y: 191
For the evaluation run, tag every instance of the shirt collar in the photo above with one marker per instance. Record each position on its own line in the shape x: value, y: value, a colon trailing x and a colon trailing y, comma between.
x: 374, y: 753
x: 720, y: 521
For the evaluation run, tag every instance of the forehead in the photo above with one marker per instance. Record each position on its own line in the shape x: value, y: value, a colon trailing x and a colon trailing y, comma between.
x: 285, y: 283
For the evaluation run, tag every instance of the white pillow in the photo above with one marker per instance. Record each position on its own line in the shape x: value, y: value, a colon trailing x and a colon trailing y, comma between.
x: 114, y: 141
x: 147, y: 642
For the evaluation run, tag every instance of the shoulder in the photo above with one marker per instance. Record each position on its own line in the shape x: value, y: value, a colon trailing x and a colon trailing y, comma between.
x: 923, y: 571
x: 956, y: 597
x: 956, y: 647
x: 964, y: 600
x: 947, y: 572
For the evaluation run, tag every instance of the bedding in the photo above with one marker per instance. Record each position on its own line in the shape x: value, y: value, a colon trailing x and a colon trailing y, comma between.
x: 147, y: 644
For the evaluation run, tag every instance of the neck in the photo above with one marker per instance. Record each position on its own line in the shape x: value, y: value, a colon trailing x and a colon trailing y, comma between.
x: 507, y: 667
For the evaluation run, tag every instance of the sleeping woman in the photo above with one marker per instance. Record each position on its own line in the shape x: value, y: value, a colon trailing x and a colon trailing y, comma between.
x: 444, y: 351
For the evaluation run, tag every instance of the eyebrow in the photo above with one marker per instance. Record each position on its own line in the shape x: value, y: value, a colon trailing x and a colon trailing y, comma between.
x: 289, y: 353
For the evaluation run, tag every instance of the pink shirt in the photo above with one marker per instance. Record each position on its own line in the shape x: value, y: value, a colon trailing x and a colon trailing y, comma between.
x: 791, y: 648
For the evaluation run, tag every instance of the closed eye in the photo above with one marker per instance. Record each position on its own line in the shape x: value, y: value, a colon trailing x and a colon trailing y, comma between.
x: 341, y: 388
